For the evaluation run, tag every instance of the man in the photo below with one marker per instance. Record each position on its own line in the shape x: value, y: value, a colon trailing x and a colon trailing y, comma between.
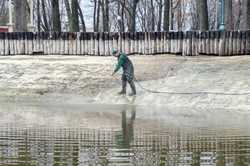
x: 128, y: 71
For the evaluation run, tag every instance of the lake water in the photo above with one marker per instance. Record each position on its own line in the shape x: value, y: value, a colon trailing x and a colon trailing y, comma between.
x: 42, y: 133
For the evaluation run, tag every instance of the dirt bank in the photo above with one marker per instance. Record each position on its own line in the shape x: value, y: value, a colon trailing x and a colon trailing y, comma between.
x: 30, y: 75
x: 226, y: 79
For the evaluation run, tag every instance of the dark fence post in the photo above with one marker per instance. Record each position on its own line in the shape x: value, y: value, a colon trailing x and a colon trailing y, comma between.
x: 92, y: 43
x: 247, y: 52
x: 2, y: 38
x: 222, y: 43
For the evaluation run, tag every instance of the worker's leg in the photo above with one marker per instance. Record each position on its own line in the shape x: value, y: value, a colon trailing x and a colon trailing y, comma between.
x: 132, y: 85
x: 124, y: 85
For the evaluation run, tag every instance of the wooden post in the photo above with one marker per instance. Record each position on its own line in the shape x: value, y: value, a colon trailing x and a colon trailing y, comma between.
x: 230, y: 43
x: 30, y: 43
x: 91, y: 43
x: 46, y: 43
x: 239, y: 38
x: 126, y: 45
x: 101, y: 43
x: 150, y: 43
x: 96, y: 41
x: 247, y: 51
x: 106, y: 40
x: 195, y: 41
x: 171, y: 40
x: 227, y: 36
x: 78, y: 43
x: 217, y: 42
x: 243, y: 43
x: 137, y: 42
x: 84, y: 42
x: 12, y: 45
x: 16, y: 43
x: 132, y: 42
x: 180, y: 42
x: 140, y: 43
x: 222, y: 43
x: 6, y: 44
x: 165, y: 45
x: 35, y: 44
x: 168, y: 42
x: 116, y: 40
x: 64, y: 43
x: 234, y: 38
x: 110, y: 43
x: 189, y: 43
x: 2, y: 38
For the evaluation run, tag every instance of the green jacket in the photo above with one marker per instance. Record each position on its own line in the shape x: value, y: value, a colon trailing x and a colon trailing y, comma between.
x: 127, y: 66
x: 121, y: 61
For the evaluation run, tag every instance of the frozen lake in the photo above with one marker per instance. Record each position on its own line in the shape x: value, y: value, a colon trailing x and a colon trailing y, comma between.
x: 47, y: 131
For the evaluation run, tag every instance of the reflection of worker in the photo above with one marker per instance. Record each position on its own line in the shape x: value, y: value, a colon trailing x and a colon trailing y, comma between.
x: 127, y: 134
x: 128, y: 71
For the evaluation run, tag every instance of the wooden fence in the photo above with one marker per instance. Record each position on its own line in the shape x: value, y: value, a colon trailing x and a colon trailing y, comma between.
x: 188, y: 43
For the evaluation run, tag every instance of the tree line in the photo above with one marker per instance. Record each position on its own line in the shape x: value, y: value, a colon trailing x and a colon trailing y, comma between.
x: 127, y: 15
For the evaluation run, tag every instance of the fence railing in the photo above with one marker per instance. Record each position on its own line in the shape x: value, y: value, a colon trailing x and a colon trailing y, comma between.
x: 188, y: 43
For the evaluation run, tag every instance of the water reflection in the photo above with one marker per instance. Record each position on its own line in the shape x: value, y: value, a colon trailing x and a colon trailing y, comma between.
x: 129, y: 144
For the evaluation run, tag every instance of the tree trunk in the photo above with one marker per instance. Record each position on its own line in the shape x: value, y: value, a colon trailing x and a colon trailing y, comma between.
x: 179, y: 15
x: 105, y: 15
x: 38, y: 16
x: 152, y: 16
x: 74, y: 22
x: 46, y: 25
x: 122, y: 23
x: 239, y: 15
x: 20, y: 16
x: 171, y: 15
x: 160, y: 17
x: 229, y: 15
x: 56, y: 16
x: 94, y: 18
x: 132, y: 27
x: 202, y: 14
x: 82, y: 18
x: 166, y: 15
x: 246, y: 15
x: 68, y: 10
x: 98, y: 15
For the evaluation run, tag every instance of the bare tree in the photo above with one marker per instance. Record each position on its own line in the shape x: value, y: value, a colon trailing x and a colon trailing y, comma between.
x: 81, y: 18
x: 74, y: 21
x: 105, y: 15
x: 21, y: 15
x: 68, y: 10
x: 3, y: 12
x: 202, y: 11
x: 55, y: 16
x: 229, y: 15
x: 160, y: 15
x: 246, y: 15
x: 38, y: 16
x: 132, y: 26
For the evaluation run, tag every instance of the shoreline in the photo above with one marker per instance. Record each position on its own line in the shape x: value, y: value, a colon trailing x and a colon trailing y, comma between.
x: 89, y: 78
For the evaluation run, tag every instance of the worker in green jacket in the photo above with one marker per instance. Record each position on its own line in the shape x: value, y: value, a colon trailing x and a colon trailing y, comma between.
x: 128, y: 71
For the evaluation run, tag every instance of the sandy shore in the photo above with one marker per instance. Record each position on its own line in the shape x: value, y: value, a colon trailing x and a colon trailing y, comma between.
x: 225, y: 78
x: 31, y: 75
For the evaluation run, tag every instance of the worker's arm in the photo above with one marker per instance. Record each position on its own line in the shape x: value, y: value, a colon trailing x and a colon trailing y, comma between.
x: 121, y: 61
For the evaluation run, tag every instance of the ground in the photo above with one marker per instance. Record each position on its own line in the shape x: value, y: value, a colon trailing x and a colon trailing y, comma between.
x: 201, y: 82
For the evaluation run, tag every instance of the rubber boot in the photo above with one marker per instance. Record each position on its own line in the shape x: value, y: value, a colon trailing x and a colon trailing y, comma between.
x: 123, y: 91
x: 132, y: 85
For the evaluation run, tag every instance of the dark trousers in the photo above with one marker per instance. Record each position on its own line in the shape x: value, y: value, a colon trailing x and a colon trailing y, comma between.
x: 131, y: 83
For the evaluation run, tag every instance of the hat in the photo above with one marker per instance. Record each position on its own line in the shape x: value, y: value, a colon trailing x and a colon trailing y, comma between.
x: 114, y: 51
